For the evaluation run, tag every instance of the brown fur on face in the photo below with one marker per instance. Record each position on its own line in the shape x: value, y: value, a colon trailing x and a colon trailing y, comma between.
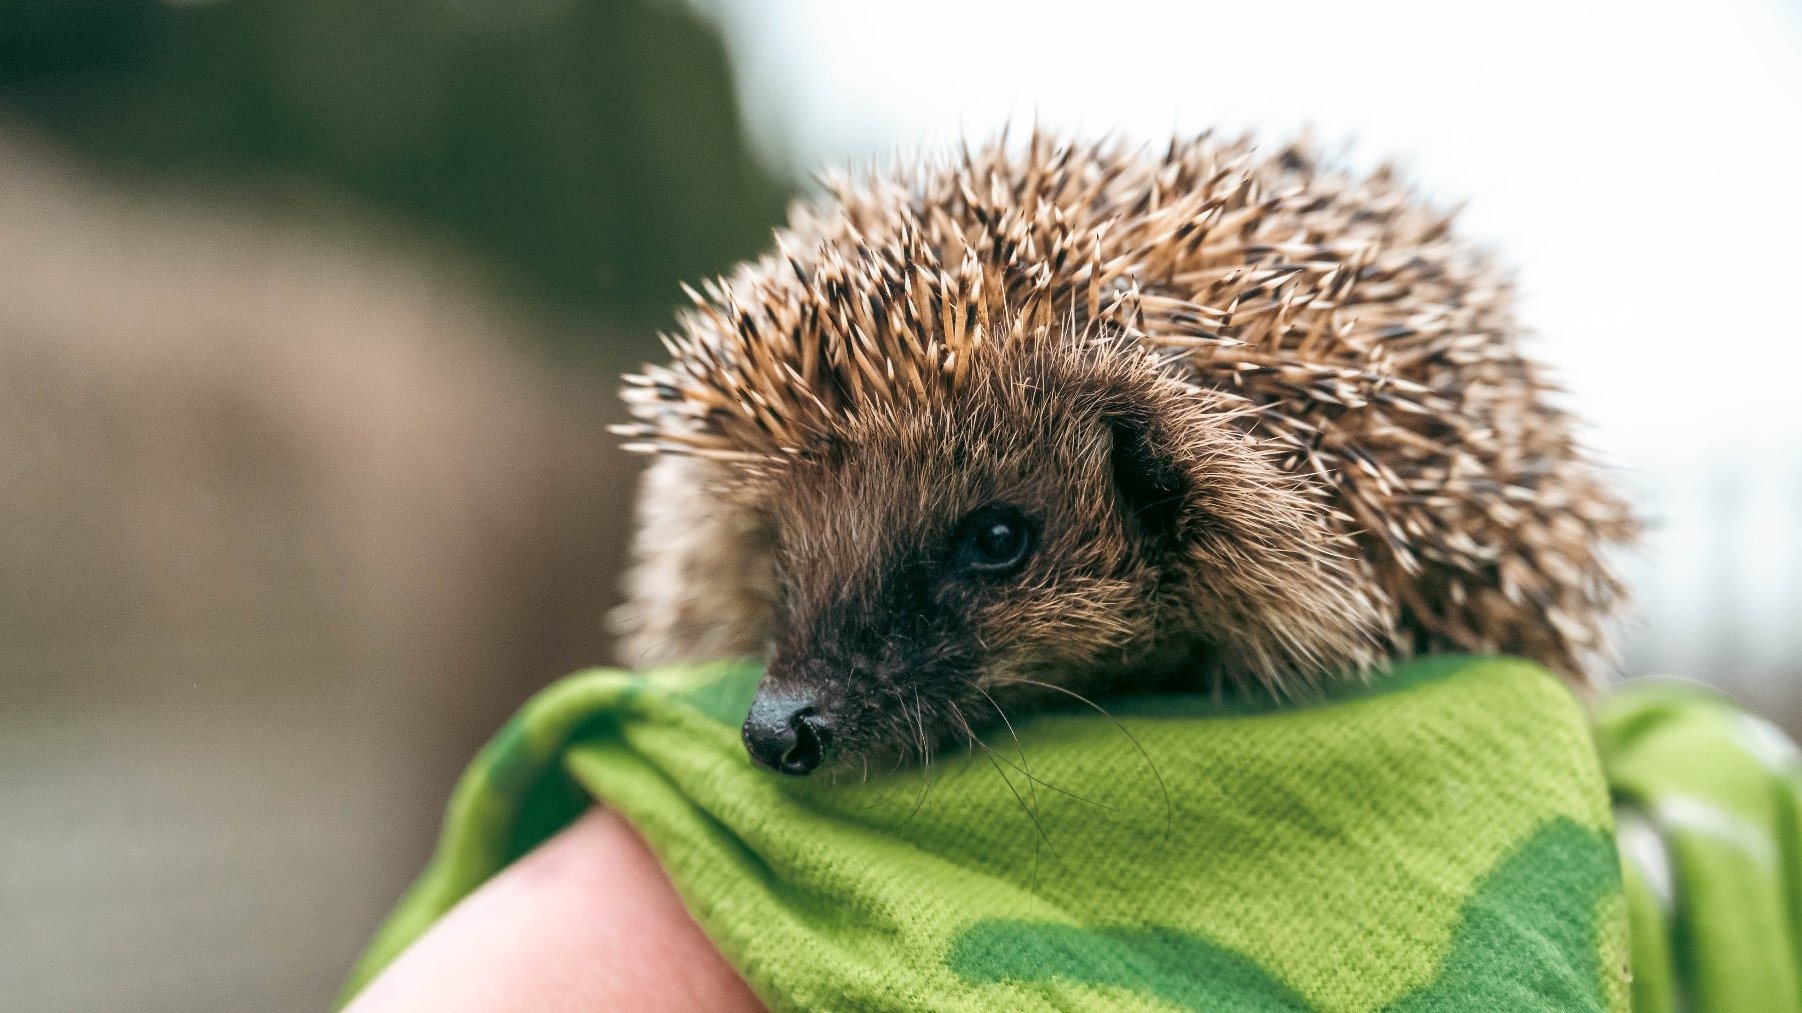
x: 1162, y: 542
x: 1268, y: 419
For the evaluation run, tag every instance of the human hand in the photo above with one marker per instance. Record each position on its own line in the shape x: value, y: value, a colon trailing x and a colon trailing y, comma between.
x: 587, y: 921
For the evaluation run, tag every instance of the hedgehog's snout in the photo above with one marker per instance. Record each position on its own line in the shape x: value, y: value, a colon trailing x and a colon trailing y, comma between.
x: 787, y: 732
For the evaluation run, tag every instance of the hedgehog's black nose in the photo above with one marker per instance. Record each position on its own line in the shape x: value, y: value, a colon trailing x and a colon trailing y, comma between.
x: 786, y: 733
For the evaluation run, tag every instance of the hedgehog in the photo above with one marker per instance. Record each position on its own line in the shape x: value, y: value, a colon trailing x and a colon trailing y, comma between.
x: 1066, y: 419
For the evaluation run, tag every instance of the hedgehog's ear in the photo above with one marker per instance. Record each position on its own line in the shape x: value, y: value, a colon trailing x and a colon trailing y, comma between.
x: 1155, y: 490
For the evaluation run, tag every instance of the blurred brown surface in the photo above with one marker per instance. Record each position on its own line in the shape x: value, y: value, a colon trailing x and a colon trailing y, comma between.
x: 591, y: 152
x: 289, y: 526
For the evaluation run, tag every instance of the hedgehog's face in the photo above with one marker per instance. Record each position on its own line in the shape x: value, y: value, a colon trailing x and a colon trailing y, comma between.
x: 1022, y: 539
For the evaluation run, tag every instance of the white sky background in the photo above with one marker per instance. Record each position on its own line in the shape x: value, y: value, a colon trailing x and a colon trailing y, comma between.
x: 1639, y: 163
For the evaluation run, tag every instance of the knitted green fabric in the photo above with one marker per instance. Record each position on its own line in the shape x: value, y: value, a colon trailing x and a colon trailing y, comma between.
x: 1441, y: 842
x: 1710, y: 825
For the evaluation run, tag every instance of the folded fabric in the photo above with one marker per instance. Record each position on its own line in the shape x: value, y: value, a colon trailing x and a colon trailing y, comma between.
x: 1709, y: 813
x: 1441, y: 841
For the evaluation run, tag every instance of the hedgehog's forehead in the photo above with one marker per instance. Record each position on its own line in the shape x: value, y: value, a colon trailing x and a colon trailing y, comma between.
x: 916, y: 471
x: 1014, y: 420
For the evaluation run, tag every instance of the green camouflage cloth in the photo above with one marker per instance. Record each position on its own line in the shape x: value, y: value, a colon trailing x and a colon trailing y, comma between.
x: 1437, y: 842
x: 1441, y: 842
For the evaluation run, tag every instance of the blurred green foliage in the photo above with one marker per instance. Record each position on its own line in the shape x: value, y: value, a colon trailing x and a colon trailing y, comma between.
x: 590, y: 149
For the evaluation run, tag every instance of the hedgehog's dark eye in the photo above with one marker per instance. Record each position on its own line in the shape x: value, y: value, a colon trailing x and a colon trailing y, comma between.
x: 995, y: 539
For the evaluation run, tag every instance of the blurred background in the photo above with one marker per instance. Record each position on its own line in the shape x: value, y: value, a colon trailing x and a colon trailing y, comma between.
x: 311, y: 313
